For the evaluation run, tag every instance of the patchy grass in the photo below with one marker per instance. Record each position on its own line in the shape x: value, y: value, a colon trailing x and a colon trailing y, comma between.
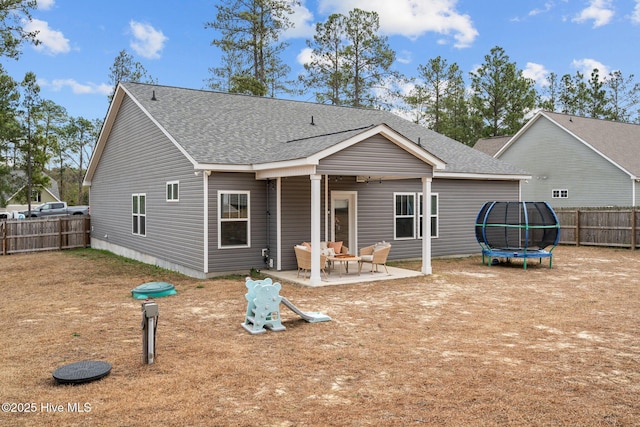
x: 468, y: 345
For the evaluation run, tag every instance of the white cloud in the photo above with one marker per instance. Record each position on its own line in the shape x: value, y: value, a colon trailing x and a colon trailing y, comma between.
x: 600, y: 11
x: 52, y: 42
x: 537, y: 73
x: 303, y: 25
x: 412, y: 18
x: 46, y: 4
x: 305, y: 56
x: 547, y: 7
x: 77, y: 88
x: 147, y: 42
x: 587, y: 65
x: 404, y: 57
x: 635, y: 15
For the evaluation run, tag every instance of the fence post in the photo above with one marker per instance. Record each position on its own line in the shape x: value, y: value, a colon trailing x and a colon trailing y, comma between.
x: 4, y: 237
x: 87, y: 231
x: 577, y: 227
x: 633, y: 228
x: 59, y: 233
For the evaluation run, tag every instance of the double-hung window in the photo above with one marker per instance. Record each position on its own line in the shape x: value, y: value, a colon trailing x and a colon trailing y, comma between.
x: 139, y: 214
x: 434, y: 215
x: 408, y: 215
x: 233, y: 219
x: 172, y: 191
x: 405, y: 216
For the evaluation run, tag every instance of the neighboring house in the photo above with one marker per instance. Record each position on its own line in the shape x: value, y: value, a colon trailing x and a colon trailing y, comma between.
x: 577, y: 161
x: 203, y: 182
x: 492, y: 144
x: 39, y: 194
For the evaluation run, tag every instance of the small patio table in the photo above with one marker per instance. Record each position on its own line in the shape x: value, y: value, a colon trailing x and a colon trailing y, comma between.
x: 343, y: 260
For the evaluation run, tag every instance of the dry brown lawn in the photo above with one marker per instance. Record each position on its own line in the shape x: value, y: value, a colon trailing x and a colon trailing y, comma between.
x: 469, y: 345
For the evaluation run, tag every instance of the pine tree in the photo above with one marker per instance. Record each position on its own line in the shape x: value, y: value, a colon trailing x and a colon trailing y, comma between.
x: 250, y: 44
x: 13, y: 15
x: 502, y: 96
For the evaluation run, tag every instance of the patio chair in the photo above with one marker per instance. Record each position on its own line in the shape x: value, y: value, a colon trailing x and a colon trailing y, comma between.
x: 376, y: 255
x: 303, y: 257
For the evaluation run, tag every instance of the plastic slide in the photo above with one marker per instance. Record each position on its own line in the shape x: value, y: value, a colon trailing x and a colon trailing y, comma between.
x: 309, y: 316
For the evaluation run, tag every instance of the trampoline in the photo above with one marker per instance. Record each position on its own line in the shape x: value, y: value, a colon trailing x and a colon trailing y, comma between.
x: 517, y: 230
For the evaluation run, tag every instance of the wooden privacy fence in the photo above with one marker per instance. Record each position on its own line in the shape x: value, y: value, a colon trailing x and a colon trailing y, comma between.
x: 31, y: 235
x: 599, y: 227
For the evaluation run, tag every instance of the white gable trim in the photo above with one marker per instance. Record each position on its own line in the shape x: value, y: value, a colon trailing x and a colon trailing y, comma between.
x: 576, y: 137
x: 393, y: 136
x: 112, y: 113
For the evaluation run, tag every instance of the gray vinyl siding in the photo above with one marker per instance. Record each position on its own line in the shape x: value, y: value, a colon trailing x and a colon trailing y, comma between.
x: 375, y: 156
x: 557, y: 160
x: 376, y: 204
x: 459, y: 203
x: 139, y: 158
x: 223, y: 260
x: 296, y: 217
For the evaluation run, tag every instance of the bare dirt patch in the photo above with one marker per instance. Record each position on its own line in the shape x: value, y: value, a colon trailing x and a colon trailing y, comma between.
x: 468, y: 345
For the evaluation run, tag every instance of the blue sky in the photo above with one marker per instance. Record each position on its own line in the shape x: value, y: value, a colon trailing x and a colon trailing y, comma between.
x: 80, y: 39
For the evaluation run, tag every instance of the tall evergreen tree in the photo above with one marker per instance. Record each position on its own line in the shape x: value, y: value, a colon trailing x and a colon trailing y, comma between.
x: 250, y: 43
x: 126, y: 69
x: 324, y: 72
x: 548, y: 99
x: 350, y: 60
x: 367, y: 57
x: 624, y: 97
x: 34, y: 153
x: 502, y: 96
x: 9, y: 132
x: 435, y: 77
x: 573, y: 94
x: 13, y: 15
x: 458, y: 123
x: 596, y: 96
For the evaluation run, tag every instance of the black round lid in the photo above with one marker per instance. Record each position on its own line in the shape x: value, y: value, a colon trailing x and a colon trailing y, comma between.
x: 81, y: 372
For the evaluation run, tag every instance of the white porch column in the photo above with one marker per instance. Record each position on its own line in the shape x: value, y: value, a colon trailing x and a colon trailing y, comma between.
x: 315, y: 277
x: 426, y: 225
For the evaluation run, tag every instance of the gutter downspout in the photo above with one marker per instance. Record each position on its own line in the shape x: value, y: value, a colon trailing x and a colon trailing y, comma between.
x: 205, y: 226
x: 279, y: 223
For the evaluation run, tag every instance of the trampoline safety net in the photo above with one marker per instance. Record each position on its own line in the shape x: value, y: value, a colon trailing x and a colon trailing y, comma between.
x: 517, y: 226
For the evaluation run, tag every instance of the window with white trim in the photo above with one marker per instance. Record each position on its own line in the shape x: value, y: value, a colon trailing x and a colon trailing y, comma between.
x: 173, y: 191
x: 233, y: 219
x: 139, y: 214
x: 434, y: 215
x: 560, y: 193
x: 405, y: 216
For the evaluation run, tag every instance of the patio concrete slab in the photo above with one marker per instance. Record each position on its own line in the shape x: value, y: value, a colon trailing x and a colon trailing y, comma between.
x: 334, y: 278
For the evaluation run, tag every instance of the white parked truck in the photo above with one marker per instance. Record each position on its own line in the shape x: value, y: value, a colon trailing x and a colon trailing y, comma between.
x: 55, y: 209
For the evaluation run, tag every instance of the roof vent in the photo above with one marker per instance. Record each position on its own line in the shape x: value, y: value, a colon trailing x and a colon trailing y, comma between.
x: 153, y: 96
x: 312, y: 123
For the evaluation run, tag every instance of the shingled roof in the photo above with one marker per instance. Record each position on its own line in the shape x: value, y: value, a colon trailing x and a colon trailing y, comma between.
x: 231, y: 129
x: 492, y: 144
x: 619, y: 142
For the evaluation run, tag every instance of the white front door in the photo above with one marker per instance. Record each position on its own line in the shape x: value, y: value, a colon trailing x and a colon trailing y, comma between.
x: 344, y: 219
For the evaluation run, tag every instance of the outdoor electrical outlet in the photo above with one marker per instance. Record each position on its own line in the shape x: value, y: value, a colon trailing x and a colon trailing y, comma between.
x: 265, y: 252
